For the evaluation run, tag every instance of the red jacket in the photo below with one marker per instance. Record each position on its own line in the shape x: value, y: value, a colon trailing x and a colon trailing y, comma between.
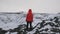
x: 29, y: 16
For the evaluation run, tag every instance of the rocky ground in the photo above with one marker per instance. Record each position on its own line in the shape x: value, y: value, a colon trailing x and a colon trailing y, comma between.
x: 16, y: 24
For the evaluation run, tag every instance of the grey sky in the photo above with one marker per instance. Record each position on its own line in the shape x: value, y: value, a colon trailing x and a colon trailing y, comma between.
x: 42, y: 6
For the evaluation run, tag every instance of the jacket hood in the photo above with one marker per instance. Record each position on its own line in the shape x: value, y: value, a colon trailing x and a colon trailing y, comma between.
x: 29, y: 11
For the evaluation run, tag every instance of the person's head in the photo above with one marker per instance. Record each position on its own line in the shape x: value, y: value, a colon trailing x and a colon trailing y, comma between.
x: 30, y: 11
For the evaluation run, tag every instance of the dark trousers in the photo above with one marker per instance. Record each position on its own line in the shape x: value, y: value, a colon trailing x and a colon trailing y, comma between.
x: 29, y: 23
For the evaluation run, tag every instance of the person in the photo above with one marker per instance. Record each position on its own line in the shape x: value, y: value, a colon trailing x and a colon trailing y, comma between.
x: 29, y: 18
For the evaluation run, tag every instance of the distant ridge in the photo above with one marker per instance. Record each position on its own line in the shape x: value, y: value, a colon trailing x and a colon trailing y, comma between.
x: 11, y: 12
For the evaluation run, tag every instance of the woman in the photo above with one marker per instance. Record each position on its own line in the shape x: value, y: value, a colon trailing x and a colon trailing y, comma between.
x: 29, y: 18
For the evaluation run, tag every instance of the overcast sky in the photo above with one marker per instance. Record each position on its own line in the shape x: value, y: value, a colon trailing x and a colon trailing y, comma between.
x: 40, y: 6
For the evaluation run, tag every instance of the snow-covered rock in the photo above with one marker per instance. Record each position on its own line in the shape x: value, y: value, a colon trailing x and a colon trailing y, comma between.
x: 12, y: 21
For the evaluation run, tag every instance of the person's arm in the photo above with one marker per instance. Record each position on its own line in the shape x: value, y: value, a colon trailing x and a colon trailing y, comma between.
x: 26, y: 17
x: 32, y: 17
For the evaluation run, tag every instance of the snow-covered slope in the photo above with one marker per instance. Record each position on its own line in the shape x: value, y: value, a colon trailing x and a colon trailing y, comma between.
x: 16, y: 23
